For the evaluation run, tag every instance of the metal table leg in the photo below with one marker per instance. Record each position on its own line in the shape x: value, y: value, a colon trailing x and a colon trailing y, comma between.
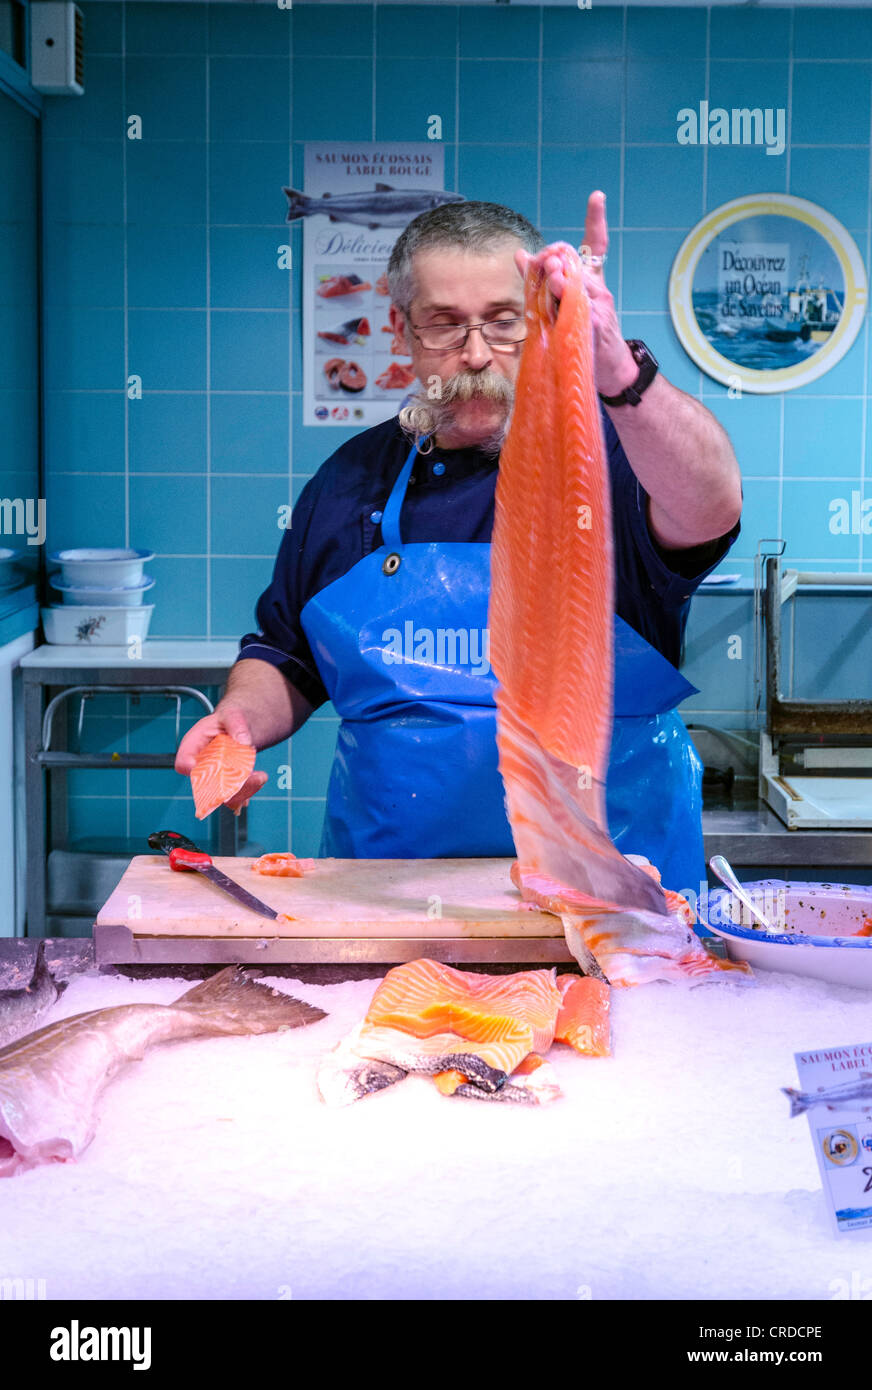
x: 35, y: 827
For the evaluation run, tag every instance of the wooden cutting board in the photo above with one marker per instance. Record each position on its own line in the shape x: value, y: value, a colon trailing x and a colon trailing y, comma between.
x: 338, y: 898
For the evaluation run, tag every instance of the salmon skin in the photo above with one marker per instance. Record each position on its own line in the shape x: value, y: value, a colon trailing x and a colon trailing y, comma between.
x: 51, y: 1081
x: 221, y: 769
x: 551, y: 643
x: 480, y: 1036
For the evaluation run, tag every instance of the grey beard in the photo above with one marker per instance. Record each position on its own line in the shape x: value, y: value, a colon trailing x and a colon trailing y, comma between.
x: 421, y: 416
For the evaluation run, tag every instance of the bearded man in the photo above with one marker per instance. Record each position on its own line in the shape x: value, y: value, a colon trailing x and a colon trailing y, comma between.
x: 378, y: 600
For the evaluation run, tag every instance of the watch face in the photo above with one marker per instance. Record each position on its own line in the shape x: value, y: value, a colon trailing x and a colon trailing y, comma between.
x: 641, y: 352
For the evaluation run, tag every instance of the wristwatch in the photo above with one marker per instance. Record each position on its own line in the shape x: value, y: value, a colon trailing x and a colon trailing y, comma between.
x: 647, y: 365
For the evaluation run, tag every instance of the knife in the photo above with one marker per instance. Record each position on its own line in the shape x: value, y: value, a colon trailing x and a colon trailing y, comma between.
x: 184, y: 855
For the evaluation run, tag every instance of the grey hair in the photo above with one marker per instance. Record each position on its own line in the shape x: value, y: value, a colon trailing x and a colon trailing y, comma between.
x: 476, y: 227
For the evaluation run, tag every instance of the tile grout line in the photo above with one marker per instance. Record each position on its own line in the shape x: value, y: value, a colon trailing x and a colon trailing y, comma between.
x: 705, y: 150
x: 124, y: 165
x: 864, y: 420
x: 540, y: 104
x: 208, y: 152
x: 780, y: 522
x: 622, y: 161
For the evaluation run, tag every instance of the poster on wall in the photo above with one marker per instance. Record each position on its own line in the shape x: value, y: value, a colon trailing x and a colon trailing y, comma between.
x: 358, y: 198
x: 767, y: 293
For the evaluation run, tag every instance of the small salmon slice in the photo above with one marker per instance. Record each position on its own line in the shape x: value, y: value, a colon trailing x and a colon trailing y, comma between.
x: 583, y: 1020
x: 283, y: 865
x: 221, y: 769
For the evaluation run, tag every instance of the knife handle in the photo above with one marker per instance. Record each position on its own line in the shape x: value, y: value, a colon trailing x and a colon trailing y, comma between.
x: 165, y: 840
x: 189, y: 859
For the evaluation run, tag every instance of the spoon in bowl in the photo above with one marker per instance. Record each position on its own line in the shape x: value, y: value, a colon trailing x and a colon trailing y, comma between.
x: 721, y: 868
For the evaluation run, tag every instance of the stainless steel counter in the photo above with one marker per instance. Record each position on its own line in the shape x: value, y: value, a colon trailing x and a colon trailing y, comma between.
x: 746, y: 831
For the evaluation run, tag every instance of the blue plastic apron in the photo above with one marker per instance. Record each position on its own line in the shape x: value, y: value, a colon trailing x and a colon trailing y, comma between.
x: 401, y: 646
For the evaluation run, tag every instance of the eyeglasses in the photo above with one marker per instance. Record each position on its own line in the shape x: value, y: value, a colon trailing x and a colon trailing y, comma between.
x: 442, y: 337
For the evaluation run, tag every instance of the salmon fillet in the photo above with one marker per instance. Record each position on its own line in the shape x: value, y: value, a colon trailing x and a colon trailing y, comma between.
x: 476, y: 1035
x: 220, y: 770
x: 551, y: 642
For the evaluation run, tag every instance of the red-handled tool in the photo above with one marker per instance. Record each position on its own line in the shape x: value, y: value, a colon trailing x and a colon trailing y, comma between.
x: 184, y: 856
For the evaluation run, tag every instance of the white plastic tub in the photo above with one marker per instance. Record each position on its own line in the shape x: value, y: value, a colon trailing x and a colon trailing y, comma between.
x: 128, y: 596
x: 67, y: 626
x: 819, y: 929
x: 101, y: 568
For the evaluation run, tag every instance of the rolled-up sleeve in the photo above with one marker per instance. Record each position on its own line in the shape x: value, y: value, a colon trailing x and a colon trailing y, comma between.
x: 672, y: 574
x: 280, y: 639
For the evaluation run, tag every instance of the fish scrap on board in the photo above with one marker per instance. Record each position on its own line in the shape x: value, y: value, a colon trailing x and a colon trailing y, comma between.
x: 20, y: 1008
x: 51, y: 1080
x: 551, y: 643
x: 477, y: 1035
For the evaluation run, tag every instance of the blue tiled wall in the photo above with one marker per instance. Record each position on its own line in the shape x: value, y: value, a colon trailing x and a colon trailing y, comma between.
x: 19, y: 345
x: 160, y: 260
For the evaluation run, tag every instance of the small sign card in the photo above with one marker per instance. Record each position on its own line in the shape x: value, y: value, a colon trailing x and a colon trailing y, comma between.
x: 836, y: 1095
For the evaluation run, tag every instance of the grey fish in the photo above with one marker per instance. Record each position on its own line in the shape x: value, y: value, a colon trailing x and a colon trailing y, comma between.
x: 382, y: 206
x: 51, y: 1081
x: 20, y: 1008
x: 857, y: 1091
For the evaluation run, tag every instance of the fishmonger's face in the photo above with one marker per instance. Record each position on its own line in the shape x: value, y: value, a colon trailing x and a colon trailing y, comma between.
x: 457, y: 287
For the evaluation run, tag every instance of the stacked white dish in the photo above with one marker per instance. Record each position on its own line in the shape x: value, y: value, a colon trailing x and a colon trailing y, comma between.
x: 102, y: 593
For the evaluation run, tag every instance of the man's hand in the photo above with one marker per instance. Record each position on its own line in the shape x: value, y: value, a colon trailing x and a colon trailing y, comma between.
x: 614, y: 365
x: 227, y: 718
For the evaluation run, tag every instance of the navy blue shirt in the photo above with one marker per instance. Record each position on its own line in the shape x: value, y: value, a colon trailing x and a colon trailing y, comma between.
x: 336, y: 520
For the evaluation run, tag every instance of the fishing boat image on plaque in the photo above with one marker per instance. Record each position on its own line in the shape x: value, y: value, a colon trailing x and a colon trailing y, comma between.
x: 767, y: 293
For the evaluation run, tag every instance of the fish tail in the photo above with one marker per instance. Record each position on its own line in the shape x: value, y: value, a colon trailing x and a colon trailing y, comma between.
x: 40, y: 969
x: 231, y: 1002
x: 798, y: 1102
x: 297, y: 203
x: 42, y: 974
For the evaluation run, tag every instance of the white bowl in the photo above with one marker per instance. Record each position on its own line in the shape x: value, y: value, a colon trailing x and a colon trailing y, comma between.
x: 130, y: 596
x: 100, y: 568
x: 816, y: 926
x: 95, y: 627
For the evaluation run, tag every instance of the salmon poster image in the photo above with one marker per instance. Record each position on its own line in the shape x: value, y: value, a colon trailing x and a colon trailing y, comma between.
x: 767, y: 293
x: 355, y: 201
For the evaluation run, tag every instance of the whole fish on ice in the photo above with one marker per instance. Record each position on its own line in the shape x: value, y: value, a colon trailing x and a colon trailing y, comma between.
x: 51, y: 1081
x: 382, y: 206
x: 20, y: 1008
x: 856, y: 1092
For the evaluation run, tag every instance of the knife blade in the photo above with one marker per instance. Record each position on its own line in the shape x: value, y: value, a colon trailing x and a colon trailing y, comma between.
x: 185, y: 857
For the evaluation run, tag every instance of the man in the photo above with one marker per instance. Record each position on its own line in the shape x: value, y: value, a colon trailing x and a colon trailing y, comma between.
x: 390, y: 543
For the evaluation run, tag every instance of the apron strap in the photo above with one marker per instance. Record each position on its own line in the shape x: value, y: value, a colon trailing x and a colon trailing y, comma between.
x: 394, y: 504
